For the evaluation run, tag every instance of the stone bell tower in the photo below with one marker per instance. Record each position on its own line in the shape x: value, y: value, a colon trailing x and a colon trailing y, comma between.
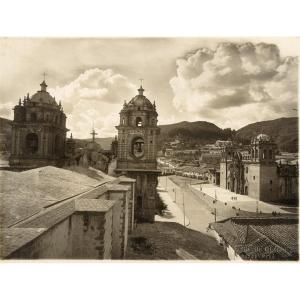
x: 136, y: 156
x: 38, y: 131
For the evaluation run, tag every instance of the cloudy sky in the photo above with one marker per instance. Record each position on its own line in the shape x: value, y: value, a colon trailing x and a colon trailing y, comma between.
x: 230, y: 82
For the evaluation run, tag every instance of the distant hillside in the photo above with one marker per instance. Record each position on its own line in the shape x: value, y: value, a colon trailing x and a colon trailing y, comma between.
x: 194, y: 132
x: 105, y: 143
x: 284, y: 131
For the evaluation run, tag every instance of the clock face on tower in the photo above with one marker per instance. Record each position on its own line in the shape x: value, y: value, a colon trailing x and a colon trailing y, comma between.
x: 137, y: 147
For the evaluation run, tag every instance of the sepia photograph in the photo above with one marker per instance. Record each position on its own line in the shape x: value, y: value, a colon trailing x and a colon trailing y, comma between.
x: 149, y: 149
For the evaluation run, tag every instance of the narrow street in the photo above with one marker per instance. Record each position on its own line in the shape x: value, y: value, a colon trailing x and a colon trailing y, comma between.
x: 196, y: 212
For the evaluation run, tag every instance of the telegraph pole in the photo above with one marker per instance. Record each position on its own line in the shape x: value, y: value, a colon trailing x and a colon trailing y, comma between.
x: 183, y: 209
x: 166, y: 182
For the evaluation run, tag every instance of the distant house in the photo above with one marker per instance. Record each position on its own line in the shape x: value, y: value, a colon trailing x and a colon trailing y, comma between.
x: 258, y: 238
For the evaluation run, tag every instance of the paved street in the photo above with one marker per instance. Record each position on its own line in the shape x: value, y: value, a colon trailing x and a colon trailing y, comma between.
x: 196, y: 212
x: 243, y: 202
x: 182, y: 195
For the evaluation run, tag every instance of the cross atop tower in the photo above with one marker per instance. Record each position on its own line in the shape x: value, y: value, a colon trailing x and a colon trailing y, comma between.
x: 93, y: 134
x: 141, y: 90
x: 43, y: 84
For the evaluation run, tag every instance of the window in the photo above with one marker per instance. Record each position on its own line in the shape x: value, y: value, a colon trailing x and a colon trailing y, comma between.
x: 246, y: 170
x: 33, y: 117
x: 32, y: 143
x: 271, y: 182
x: 253, y: 177
x: 270, y: 154
x: 265, y: 154
x: 138, y: 147
x: 139, y: 201
x: 123, y: 121
x: 58, y: 145
x: 138, y: 122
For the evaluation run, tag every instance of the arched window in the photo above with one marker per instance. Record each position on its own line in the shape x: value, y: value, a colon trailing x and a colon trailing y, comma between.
x: 246, y: 170
x: 32, y: 143
x: 33, y: 117
x: 123, y: 121
x: 265, y: 154
x: 138, y: 122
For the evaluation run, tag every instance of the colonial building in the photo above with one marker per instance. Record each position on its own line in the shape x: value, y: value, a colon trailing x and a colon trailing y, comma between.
x: 137, y: 147
x: 253, y: 171
x: 38, y: 131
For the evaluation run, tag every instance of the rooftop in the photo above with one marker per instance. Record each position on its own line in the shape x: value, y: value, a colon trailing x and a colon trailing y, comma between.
x: 261, y: 238
x: 27, y: 193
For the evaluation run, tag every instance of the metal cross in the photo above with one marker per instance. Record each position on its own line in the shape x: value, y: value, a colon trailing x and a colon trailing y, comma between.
x: 44, y: 76
x: 141, y: 80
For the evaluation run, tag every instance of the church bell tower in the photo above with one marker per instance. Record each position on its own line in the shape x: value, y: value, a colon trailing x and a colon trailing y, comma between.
x: 136, y: 156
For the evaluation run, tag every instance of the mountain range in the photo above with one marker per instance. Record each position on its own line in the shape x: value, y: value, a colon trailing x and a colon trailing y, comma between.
x: 284, y: 131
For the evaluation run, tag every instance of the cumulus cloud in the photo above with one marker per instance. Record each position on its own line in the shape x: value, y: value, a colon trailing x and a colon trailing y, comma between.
x: 95, y: 96
x: 236, y: 84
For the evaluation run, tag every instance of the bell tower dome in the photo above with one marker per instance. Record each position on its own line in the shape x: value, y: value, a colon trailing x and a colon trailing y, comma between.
x: 137, y: 147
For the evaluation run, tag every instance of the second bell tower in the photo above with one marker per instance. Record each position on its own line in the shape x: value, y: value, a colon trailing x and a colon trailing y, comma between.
x: 137, y: 147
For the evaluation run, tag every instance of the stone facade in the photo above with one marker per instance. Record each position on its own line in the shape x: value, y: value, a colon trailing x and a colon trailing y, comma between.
x: 136, y: 155
x: 38, y: 131
x: 254, y: 172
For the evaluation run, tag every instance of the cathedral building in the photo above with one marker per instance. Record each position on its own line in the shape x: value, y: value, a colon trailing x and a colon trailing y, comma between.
x: 136, y: 153
x: 254, y: 171
x: 38, y: 131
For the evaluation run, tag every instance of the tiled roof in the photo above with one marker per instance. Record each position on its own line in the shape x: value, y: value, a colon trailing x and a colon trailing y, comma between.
x: 269, y: 238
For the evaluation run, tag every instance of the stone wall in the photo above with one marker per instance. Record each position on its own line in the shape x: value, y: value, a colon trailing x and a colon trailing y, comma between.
x: 83, y: 235
x: 253, y: 179
x: 268, y: 183
x: 120, y: 220
x: 88, y: 238
x: 55, y: 243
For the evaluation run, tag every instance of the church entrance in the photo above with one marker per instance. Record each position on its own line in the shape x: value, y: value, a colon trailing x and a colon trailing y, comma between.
x: 32, y: 143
